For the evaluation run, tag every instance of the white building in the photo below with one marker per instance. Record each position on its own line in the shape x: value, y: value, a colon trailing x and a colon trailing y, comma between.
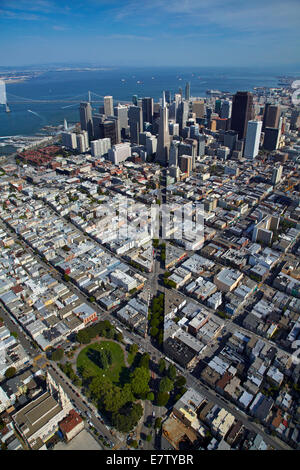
x: 69, y: 140
x: 100, y: 147
x: 119, y: 152
x: 252, y: 139
x: 108, y: 106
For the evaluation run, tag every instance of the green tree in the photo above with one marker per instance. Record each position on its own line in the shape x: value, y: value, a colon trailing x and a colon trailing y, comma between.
x: 162, y: 366
x: 166, y: 385
x: 10, y: 372
x: 157, y: 423
x: 162, y: 398
x: 57, y: 355
x: 133, y: 349
x: 149, y: 438
x: 180, y: 381
x: 150, y: 396
x: 139, y: 381
x: 144, y: 361
x: 83, y: 337
x: 172, y: 372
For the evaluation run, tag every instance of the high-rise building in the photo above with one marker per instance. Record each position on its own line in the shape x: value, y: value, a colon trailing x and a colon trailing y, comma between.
x: 198, y: 108
x: 271, y: 116
x: 147, y: 106
x: 69, y: 140
x: 252, y: 139
x: 119, y: 153
x: 295, y: 119
x: 135, y: 120
x: 81, y: 140
x: 271, y: 138
x: 121, y: 112
x: 135, y: 100
x: 168, y: 96
x: 182, y: 114
x: 242, y: 112
x: 151, y: 145
x: 187, y: 91
x: 226, y: 109
x: 174, y: 128
x: 108, y: 105
x: 230, y: 139
x: 186, y: 163
x: 100, y: 147
x: 86, y: 121
x: 173, y: 160
x: 163, y: 140
x: 276, y: 175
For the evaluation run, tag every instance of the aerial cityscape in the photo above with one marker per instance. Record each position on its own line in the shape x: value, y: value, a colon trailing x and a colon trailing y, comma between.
x: 149, y: 252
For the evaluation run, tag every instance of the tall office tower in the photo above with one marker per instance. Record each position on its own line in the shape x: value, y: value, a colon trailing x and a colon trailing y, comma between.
x: 187, y: 91
x: 174, y: 106
x: 180, y: 92
x: 271, y: 116
x: 182, y: 114
x: 168, y: 96
x: 143, y: 137
x: 86, y: 121
x: 173, y: 128
x: 194, y: 131
x: 226, y: 109
x: 295, y: 119
x: 242, y: 112
x: 151, y: 145
x: 117, y: 126
x: 100, y: 147
x: 174, y: 147
x: 230, y: 139
x: 81, y: 143
x: 252, y: 139
x: 163, y: 140
x: 147, y: 106
x: 208, y: 114
x: 198, y: 108
x: 65, y: 125
x: 108, y: 105
x: 121, y: 112
x: 186, y: 163
x: 109, y: 129
x: 218, y: 105
x: 69, y: 140
x: 134, y: 99
x: 271, y: 138
x: 98, y: 119
x: 185, y: 132
x: 135, y: 120
x: 189, y: 147
x: 201, y: 145
x: 276, y: 175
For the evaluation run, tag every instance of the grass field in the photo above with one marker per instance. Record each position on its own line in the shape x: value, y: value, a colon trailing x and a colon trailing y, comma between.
x: 116, y: 371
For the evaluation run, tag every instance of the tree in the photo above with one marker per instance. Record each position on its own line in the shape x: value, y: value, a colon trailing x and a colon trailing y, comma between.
x: 166, y: 385
x: 150, y: 396
x: 162, y: 398
x: 57, y: 355
x: 172, y: 372
x: 133, y: 349
x: 149, y: 438
x: 139, y: 381
x: 83, y: 337
x: 10, y: 372
x: 144, y: 361
x: 66, y: 277
x: 157, y: 423
x: 161, y: 366
x: 180, y: 381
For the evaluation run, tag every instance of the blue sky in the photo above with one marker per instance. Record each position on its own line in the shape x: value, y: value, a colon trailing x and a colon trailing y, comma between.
x: 150, y: 32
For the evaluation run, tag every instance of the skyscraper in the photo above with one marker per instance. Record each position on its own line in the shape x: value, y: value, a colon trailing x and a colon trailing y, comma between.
x: 252, y: 139
x: 135, y: 120
x: 108, y: 105
x: 182, y: 114
x: 121, y: 112
x: 271, y: 116
x: 86, y: 121
x: 226, y: 108
x: 242, y: 112
x: 187, y: 91
x: 276, y: 175
x: 147, y: 106
x: 163, y: 140
x: 168, y: 96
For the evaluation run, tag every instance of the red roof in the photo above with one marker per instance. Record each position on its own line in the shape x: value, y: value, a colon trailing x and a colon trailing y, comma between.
x: 70, y: 422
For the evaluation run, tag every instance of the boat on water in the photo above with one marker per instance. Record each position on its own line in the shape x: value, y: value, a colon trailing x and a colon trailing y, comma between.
x: 213, y: 92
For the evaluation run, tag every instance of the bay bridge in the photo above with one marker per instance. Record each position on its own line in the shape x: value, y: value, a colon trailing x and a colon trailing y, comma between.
x: 89, y: 96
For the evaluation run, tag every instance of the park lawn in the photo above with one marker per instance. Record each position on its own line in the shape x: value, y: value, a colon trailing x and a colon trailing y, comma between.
x: 114, y: 370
